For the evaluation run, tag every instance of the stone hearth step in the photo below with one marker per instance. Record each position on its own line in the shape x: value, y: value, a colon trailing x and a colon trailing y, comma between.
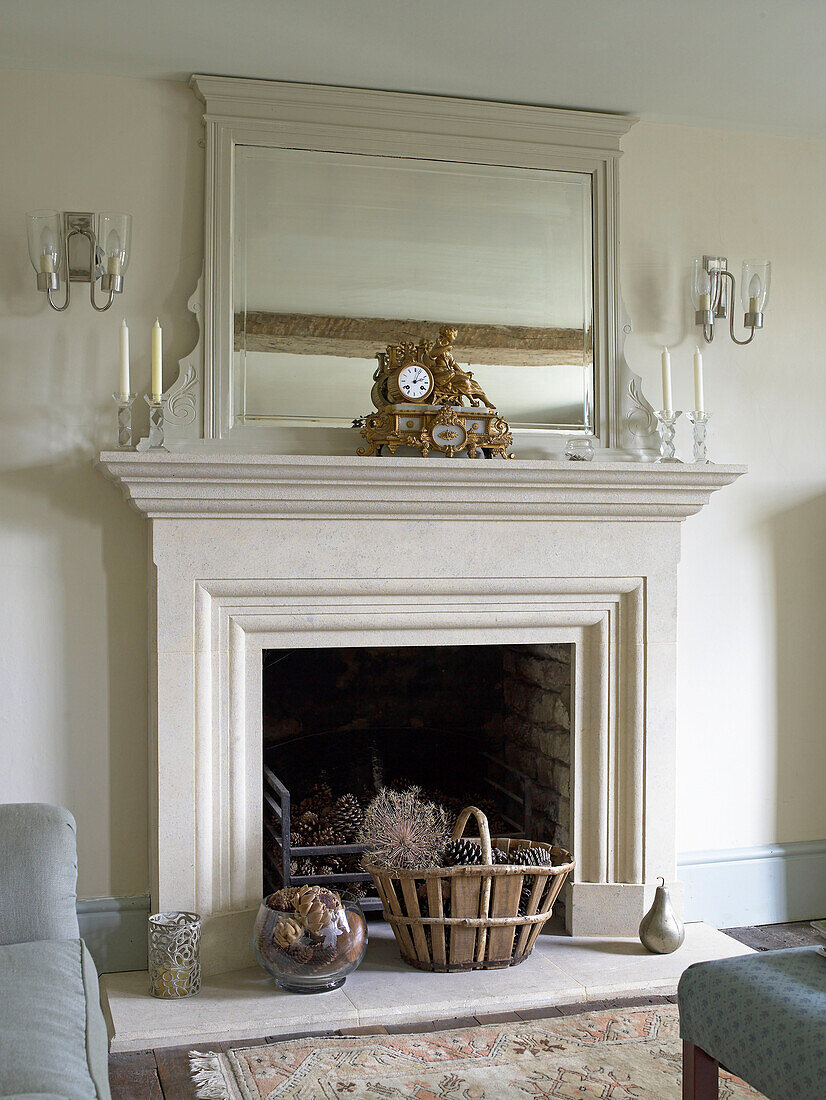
x: 245, y: 1003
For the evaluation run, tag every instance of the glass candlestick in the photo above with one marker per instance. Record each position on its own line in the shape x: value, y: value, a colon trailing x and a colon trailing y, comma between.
x: 667, y: 427
x: 699, y: 424
x: 156, y: 408
x: 124, y: 402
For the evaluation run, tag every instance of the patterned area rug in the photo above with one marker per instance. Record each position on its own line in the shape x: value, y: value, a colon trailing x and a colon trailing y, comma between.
x: 616, y: 1054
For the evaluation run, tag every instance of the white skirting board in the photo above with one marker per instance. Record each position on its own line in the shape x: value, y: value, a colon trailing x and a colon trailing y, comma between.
x: 773, y: 884
x: 728, y: 888
x: 114, y: 930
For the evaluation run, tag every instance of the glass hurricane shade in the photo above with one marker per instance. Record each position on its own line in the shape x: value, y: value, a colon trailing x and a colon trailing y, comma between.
x: 114, y: 233
x: 703, y: 286
x: 45, y: 235
x: 755, y: 283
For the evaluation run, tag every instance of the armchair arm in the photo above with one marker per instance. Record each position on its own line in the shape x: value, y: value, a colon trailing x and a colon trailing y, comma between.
x: 38, y: 873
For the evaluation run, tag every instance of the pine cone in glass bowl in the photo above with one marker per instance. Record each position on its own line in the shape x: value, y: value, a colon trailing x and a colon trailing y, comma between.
x: 316, y: 907
x: 283, y: 900
x: 286, y: 932
x: 311, y: 963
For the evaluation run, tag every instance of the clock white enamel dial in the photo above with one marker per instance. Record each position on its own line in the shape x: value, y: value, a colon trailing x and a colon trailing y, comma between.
x: 414, y: 382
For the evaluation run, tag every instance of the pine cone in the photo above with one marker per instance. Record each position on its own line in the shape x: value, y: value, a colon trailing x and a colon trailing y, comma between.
x: 318, y: 801
x: 424, y: 906
x: 323, y: 956
x: 301, y: 953
x: 305, y: 867
x: 321, y: 836
x: 316, y: 907
x: 332, y: 865
x: 346, y: 819
x: 286, y: 932
x: 499, y: 857
x: 525, y: 897
x: 303, y: 829
x: 282, y: 900
x: 461, y: 853
x: 295, y: 959
x: 530, y: 857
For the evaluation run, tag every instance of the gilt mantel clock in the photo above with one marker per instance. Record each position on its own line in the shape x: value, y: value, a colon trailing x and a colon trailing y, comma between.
x: 419, y: 393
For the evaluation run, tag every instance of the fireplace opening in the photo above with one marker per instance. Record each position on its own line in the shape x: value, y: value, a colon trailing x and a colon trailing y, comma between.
x: 488, y: 725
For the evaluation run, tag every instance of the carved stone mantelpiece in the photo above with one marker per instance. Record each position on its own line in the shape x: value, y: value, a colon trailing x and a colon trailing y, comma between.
x: 207, y: 484
x: 255, y: 552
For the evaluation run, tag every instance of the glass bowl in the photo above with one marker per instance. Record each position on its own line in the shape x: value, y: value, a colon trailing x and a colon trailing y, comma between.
x: 579, y: 450
x: 306, y: 955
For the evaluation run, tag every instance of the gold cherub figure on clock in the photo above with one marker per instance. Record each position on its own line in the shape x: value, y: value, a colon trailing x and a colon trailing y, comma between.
x: 419, y: 392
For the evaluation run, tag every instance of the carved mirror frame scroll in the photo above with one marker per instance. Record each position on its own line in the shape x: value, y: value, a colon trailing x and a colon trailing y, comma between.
x: 348, y: 120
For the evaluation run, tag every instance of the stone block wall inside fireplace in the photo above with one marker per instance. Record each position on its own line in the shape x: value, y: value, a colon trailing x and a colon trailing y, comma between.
x: 537, y: 731
x: 436, y: 710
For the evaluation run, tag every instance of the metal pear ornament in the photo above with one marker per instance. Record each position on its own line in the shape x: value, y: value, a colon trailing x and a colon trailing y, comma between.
x: 661, y: 930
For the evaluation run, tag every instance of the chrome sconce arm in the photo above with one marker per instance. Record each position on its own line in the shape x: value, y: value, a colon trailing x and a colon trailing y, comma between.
x: 753, y: 321
x: 50, y: 235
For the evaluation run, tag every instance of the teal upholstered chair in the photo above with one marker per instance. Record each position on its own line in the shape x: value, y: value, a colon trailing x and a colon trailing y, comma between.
x: 53, y: 1040
x: 762, y: 1017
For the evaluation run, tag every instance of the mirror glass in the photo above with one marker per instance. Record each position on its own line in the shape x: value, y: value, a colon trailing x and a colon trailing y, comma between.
x: 336, y: 255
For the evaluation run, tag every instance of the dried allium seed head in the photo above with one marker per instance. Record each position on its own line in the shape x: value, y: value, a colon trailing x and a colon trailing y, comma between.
x: 403, y: 831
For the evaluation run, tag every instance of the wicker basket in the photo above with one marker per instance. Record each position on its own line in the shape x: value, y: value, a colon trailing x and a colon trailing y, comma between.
x: 484, y: 930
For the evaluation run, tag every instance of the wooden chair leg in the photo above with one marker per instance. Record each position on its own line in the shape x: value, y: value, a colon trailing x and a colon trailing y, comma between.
x: 699, y: 1074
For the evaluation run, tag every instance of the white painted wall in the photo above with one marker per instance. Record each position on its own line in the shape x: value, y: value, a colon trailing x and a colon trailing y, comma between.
x: 752, y: 695
x: 73, y: 569
x: 752, y: 691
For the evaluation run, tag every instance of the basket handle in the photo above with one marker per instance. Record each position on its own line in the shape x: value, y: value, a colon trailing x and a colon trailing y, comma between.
x: 484, y: 831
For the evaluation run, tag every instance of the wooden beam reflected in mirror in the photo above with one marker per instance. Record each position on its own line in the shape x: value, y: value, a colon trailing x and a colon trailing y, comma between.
x: 362, y: 337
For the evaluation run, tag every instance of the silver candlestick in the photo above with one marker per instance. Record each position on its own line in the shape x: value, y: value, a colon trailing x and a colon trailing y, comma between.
x: 124, y: 402
x: 667, y: 427
x: 156, y: 413
x: 699, y: 423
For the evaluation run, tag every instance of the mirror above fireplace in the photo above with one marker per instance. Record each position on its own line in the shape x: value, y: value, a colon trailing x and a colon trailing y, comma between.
x: 335, y: 256
x: 340, y: 220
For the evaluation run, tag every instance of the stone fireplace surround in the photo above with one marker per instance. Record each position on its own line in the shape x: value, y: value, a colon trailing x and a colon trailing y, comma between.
x: 252, y: 552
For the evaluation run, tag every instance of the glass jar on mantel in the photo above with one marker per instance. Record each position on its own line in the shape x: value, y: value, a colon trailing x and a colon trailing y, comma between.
x: 308, y: 940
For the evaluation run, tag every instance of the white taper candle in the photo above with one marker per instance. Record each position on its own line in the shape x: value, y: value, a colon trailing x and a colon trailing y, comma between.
x: 668, y: 404
x: 124, y: 359
x: 699, y: 399
x: 157, y: 360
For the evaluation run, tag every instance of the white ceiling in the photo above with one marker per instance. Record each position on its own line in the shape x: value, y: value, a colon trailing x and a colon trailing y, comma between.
x: 749, y: 64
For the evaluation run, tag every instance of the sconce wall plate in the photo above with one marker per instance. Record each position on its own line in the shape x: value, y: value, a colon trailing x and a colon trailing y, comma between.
x: 76, y: 227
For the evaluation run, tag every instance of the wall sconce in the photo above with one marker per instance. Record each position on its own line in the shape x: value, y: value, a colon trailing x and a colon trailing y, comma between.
x: 51, y: 239
x: 709, y: 293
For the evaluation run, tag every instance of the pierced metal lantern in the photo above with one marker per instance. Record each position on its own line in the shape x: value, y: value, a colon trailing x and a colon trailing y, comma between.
x: 174, y: 955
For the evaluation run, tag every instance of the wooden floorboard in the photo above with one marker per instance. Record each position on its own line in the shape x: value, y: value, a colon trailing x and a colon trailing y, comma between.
x: 775, y: 937
x: 173, y: 1070
x: 164, y: 1074
x: 133, y: 1075
x: 237, y: 1044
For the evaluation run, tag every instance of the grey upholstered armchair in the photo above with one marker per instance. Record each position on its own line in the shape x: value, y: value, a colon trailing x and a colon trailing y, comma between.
x: 53, y: 1040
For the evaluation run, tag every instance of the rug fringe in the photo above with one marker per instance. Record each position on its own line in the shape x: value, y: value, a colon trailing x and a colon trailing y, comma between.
x: 208, y: 1075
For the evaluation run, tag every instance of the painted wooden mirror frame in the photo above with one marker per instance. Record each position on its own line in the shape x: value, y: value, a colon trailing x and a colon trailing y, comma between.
x: 242, y: 112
